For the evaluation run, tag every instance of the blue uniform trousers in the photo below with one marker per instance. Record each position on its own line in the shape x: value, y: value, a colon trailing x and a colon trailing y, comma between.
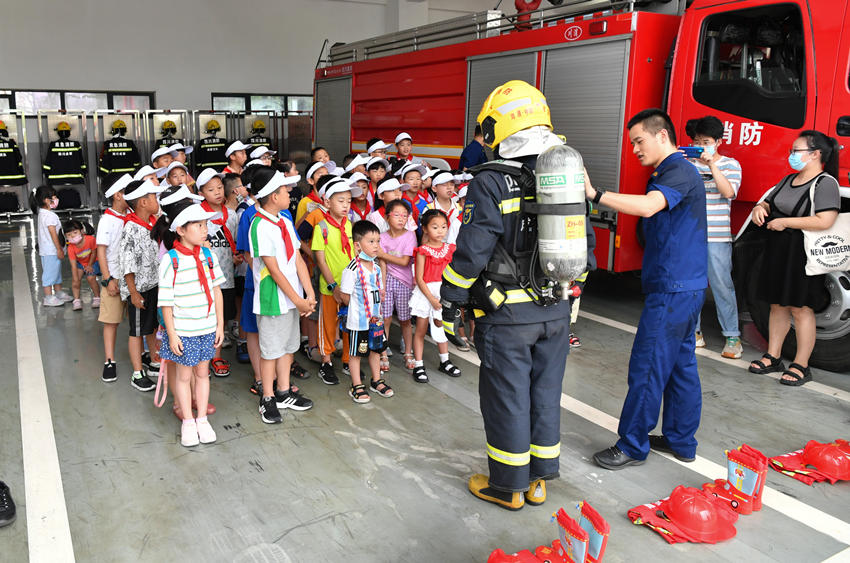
x: 663, y: 365
x: 522, y: 369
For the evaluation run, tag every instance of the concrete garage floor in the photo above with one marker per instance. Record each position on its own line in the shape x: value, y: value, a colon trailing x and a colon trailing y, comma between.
x: 385, y: 481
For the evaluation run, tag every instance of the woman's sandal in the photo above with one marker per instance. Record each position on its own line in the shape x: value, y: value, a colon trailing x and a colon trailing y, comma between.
x: 385, y: 362
x: 359, y: 394
x: 420, y: 375
x: 409, y: 362
x: 449, y: 369
x: 797, y: 378
x: 297, y: 371
x: 774, y: 365
x: 381, y: 388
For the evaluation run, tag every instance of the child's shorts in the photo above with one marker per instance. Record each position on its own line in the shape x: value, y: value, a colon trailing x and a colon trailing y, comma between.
x: 239, y: 284
x: 144, y: 321
x: 51, y: 267
x: 279, y: 334
x: 96, y: 269
x: 111, y: 309
x: 316, y: 280
x: 398, y: 298
x: 196, y: 349
x: 228, y: 297
x: 358, y: 344
x: 247, y: 319
x: 421, y: 307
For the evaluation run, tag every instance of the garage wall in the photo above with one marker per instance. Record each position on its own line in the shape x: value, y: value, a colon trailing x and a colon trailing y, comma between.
x: 185, y: 49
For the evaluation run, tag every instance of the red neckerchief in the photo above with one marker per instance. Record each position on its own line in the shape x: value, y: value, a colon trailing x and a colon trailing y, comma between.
x: 315, y: 197
x: 426, y: 198
x: 202, y: 275
x: 449, y: 214
x: 133, y: 218
x: 414, y: 211
x: 343, y: 237
x: 223, y: 222
x: 364, y: 213
x: 112, y: 213
x: 284, y: 233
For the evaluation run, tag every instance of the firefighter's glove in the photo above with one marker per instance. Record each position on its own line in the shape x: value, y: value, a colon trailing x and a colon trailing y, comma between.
x: 450, y: 314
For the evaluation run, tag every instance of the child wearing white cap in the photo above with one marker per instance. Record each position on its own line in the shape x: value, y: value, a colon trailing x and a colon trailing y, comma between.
x: 404, y: 148
x: 311, y: 201
x: 162, y: 157
x: 389, y: 190
x: 236, y: 157
x: 443, y: 188
x: 189, y: 297
x: 139, y: 261
x: 376, y: 169
x: 360, y: 206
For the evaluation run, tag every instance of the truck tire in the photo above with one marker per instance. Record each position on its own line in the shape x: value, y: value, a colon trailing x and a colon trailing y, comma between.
x: 832, y: 348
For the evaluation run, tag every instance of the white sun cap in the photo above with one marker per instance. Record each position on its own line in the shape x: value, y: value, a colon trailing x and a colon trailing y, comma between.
x: 190, y: 214
x: 402, y: 136
x: 162, y: 151
x: 182, y: 193
x: 357, y: 161
x: 442, y: 178
x: 236, y: 146
x: 206, y: 175
x: 146, y: 188
x: 181, y: 147
x: 261, y: 150
x: 119, y: 185
x: 376, y: 146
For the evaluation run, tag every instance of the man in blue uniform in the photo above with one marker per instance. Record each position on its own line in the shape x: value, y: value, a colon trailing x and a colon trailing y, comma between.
x: 521, y: 334
x: 663, y: 363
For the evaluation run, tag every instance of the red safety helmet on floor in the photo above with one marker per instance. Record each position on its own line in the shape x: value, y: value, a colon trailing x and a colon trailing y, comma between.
x: 832, y: 459
x: 700, y: 515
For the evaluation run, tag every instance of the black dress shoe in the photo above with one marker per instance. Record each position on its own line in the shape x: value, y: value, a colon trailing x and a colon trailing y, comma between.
x: 660, y: 444
x: 614, y: 458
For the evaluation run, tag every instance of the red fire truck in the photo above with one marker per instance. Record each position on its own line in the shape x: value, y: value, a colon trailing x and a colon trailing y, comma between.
x: 766, y: 68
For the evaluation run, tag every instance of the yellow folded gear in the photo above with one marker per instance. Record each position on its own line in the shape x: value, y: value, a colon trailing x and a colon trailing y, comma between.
x: 536, y: 493
x: 479, y: 485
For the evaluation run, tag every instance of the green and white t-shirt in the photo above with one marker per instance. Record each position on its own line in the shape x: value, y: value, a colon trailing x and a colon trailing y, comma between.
x: 193, y: 313
x: 266, y: 239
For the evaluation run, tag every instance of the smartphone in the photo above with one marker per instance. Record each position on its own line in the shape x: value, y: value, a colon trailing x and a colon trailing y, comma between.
x: 692, y: 152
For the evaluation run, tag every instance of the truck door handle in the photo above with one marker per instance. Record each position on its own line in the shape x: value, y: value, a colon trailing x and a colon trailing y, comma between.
x: 843, y: 126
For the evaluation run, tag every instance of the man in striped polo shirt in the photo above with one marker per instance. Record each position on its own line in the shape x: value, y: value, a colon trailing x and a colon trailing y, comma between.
x: 722, y: 178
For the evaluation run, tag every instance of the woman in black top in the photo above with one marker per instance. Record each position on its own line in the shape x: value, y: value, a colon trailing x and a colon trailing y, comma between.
x: 783, y: 281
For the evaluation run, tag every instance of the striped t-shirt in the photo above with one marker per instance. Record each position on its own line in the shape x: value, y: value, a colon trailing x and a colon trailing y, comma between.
x: 718, y: 207
x: 193, y: 315
x: 350, y: 284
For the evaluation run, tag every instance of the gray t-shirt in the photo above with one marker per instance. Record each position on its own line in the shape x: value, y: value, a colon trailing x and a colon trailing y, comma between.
x: 786, y: 197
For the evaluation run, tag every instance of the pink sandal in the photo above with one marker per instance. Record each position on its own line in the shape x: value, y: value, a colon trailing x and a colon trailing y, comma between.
x: 409, y: 362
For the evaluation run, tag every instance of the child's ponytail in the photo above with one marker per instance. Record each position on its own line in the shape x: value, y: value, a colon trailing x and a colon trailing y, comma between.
x: 38, y: 196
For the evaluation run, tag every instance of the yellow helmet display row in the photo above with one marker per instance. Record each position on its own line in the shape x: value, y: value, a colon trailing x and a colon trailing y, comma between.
x: 63, y: 126
x: 512, y: 107
x: 212, y: 126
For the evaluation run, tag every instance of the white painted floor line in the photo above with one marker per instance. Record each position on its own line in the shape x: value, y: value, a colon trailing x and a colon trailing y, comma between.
x: 840, y: 557
x: 48, y: 531
x: 788, y: 506
x: 742, y: 364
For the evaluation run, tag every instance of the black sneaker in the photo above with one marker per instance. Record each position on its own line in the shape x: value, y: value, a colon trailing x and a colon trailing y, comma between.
x: 7, y: 506
x: 292, y: 400
x: 327, y: 375
x: 109, y: 372
x: 142, y: 382
x: 268, y: 411
x: 346, y: 371
x: 150, y: 365
x: 257, y: 388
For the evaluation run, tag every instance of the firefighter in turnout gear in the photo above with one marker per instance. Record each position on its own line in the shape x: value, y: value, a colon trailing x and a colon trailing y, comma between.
x: 522, y: 320
x: 11, y: 162
x: 64, y: 163
x: 119, y: 154
x: 209, y: 153
x: 258, y: 137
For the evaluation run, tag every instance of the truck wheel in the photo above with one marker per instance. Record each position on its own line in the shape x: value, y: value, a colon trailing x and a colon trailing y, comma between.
x: 832, y: 348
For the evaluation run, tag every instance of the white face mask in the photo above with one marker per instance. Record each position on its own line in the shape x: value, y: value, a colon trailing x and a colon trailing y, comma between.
x: 710, y: 150
x: 75, y: 240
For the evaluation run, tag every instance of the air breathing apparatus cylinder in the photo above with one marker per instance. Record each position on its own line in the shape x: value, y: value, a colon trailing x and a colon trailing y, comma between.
x: 562, y: 241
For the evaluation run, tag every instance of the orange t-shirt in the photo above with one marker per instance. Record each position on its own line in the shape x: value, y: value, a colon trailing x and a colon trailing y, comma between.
x: 85, y: 255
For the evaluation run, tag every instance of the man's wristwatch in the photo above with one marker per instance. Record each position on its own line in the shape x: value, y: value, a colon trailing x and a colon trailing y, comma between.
x: 105, y: 283
x: 331, y: 286
x: 598, y: 196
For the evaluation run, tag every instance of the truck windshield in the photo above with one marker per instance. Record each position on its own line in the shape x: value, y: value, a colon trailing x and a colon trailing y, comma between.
x: 752, y: 64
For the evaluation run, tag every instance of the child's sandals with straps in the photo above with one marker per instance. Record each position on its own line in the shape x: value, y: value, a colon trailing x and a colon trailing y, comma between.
x: 409, y: 362
x: 450, y: 369
x: 420, y: 375
x: 385, y: 362
x: 359, y: 394
x: 381, y: 388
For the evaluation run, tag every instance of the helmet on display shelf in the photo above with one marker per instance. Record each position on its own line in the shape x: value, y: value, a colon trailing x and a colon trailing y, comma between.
x: 212, y: 126
x: 168, y: 127
x: 119, y: 127
x: 258, y: 126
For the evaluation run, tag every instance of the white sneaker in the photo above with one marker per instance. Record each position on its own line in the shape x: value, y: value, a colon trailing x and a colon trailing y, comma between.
x: 64, y: 296
x: 95, y: 302
x: 700, y: 341
x: 78, y: 305
x: 189, y: 433
x: 52, y: 301
x: 205, y: 432
x: 226, y: 342
x: 733, y: 348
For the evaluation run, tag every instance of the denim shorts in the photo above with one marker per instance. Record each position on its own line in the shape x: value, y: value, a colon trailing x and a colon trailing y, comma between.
x: 51, y: 273
x: 96, y: 269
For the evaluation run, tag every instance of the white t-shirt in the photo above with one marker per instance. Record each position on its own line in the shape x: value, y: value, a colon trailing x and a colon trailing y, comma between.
x: 193, y: 313
x: 266, y: 239
x: 221, y: 248
x: 109, y: 235
x: 47, y: 218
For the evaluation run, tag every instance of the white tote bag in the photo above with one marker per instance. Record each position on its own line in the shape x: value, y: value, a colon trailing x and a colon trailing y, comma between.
x: 827, y: 250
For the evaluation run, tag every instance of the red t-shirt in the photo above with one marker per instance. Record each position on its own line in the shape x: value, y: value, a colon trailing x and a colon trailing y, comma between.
x: 436, y: 260
x: 87, y: 255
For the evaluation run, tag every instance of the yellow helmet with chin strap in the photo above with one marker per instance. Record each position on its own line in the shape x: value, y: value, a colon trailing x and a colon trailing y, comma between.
x: 258, y: 126
x: 63, y: 126
x: 512, y: 107
x: 168, y: 127
x: 119, y: 127
x: 212, y: 126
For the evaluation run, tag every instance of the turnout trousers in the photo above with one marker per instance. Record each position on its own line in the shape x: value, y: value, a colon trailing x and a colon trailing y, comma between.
x: 663, y: 365
x: 522, y: 369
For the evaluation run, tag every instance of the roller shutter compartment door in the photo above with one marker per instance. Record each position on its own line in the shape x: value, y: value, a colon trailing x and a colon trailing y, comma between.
x: 486, y: 74
x: 333, y: 116
x: 585, y: 88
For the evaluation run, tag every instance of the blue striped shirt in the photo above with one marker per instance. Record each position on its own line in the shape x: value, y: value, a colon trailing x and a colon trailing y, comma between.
x: 718, y: 207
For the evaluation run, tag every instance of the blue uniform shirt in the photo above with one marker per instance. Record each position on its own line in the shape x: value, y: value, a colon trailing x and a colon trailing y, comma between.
x: 472, y: 155
x: 675, y: 258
